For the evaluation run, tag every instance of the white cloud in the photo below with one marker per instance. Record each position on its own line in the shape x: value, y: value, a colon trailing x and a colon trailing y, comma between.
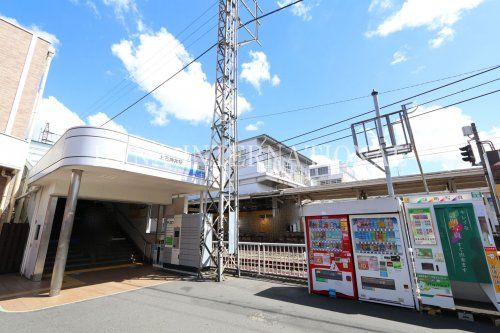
x: 121, y: 7
x: 418, y: 69
x: 300, y: 9
x: 275, y: 81
x: 60, y: 118
x: 100, y: 118
x: 92, y: 6
x: 159, y: 117
x: 51, y: 38
x: 398, y: 57
x: 380, y: 5
x: 89, y: 4
x: 443, y: 35
x: 440, y: 129
x: 257, y: 71
x: 435, y: 15
x: 189, y: 96
x: 254, y: 127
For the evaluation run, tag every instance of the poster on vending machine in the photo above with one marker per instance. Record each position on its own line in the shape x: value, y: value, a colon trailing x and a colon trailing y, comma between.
x: 421, y: 226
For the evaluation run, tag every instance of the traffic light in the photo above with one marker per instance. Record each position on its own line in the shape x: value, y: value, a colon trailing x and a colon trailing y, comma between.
x: 468, y: 154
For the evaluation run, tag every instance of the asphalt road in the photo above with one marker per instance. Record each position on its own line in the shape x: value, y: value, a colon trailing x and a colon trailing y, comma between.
x: 237, y: 305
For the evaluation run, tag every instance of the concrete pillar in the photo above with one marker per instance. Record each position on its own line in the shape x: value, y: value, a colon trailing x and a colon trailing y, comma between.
x: 65, y: 235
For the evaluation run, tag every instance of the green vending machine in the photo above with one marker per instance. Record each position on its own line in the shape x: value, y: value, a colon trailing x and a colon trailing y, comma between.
x: 461, y: 242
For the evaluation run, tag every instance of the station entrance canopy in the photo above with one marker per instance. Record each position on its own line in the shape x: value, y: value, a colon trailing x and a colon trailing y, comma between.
x: 118, y: 167
x: 102, y: 165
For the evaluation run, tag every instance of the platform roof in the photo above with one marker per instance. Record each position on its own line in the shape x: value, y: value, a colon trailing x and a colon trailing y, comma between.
x: 453, y: 180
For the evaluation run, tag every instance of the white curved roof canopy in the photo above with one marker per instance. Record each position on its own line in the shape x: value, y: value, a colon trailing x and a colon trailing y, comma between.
x: 118, y: 167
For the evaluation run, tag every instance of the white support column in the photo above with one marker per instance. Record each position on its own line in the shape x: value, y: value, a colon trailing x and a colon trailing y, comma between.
x: 65, y: 235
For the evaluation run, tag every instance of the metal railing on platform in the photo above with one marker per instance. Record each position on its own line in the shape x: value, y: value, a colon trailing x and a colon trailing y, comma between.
x: 278, y: 259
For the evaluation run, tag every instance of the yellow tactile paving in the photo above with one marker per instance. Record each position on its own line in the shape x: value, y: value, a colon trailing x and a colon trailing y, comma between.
x: 18, y: 294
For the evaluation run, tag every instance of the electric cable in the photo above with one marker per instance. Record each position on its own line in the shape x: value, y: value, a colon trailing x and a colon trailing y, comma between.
x: 342, y: 101
x: 101, y: 101
x: 191, y: 62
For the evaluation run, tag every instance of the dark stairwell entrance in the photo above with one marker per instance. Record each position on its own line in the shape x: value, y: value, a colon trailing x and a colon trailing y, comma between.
x: 97, y: 239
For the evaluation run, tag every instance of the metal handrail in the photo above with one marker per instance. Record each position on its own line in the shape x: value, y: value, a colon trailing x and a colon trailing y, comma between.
x: 126, y: 219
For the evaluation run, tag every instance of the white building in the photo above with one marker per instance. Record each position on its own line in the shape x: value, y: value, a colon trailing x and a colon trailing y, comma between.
x: 266, y: 164
x: 331, y: 173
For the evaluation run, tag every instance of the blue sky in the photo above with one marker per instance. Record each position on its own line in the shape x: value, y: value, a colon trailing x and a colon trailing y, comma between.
x: 318, y: 52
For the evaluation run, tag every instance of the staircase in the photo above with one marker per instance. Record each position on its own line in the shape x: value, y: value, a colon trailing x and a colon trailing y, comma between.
x: 117, y: 249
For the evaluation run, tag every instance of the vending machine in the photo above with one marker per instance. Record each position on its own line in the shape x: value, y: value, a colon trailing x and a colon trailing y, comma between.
x: 455, y: 253
x: 380, y: 258
x: 330, y: 261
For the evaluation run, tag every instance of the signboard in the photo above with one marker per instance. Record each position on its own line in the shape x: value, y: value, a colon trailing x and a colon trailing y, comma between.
x: 165, y: 159
x: 427, y: 284
x: 461, y: 242
x: 169, y: 240
x: 421, y: 226
x: 494, y: 266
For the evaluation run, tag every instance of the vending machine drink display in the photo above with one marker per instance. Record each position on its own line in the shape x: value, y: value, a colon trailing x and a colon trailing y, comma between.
x: 330, y: 261
x: 380, y: 258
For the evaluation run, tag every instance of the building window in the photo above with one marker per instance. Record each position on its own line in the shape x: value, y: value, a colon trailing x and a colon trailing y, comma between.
x: 288, y: 166
x: 322, y: 171
x: 312, y: 172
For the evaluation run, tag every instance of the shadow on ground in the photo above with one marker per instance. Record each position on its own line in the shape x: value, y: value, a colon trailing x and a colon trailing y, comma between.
x: 448, y: 320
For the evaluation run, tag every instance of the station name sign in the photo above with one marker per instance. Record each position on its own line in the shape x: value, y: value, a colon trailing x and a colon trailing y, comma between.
x: 166, y: 159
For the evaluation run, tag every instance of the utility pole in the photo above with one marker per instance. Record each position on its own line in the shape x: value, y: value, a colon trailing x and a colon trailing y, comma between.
x: 382, y: 144
x: 481, y: 153
x: 412, y: 140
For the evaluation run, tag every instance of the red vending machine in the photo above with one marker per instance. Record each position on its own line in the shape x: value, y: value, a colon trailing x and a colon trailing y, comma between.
x: 330, y: 259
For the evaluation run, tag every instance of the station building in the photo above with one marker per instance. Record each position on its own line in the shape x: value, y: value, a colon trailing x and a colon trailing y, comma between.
x: 119, y: 186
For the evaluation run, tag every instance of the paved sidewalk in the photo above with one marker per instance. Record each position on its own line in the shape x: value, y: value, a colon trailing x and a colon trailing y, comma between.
x: 237, y: 305
x: 18, y: 294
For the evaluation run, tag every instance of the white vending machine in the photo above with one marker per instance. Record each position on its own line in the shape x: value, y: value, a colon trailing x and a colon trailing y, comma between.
x: 381, y: 260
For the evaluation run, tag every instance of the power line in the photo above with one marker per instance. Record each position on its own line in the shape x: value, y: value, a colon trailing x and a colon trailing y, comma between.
x: 130, y: 84
x: 442, y: 86
x: 350, y: 135
x: 391, y: 104
x: 159, y: 85
x: 101, y: 101
x: 350, y: 118
x: 453, y: 104
x: 191, y: 62
x: 347, y: 100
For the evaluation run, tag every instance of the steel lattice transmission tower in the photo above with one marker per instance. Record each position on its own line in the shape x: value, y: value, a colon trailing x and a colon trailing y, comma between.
x: 221, y: 197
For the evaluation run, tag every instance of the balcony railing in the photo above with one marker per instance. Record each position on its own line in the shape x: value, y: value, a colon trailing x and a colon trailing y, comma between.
x: 282, y: 173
